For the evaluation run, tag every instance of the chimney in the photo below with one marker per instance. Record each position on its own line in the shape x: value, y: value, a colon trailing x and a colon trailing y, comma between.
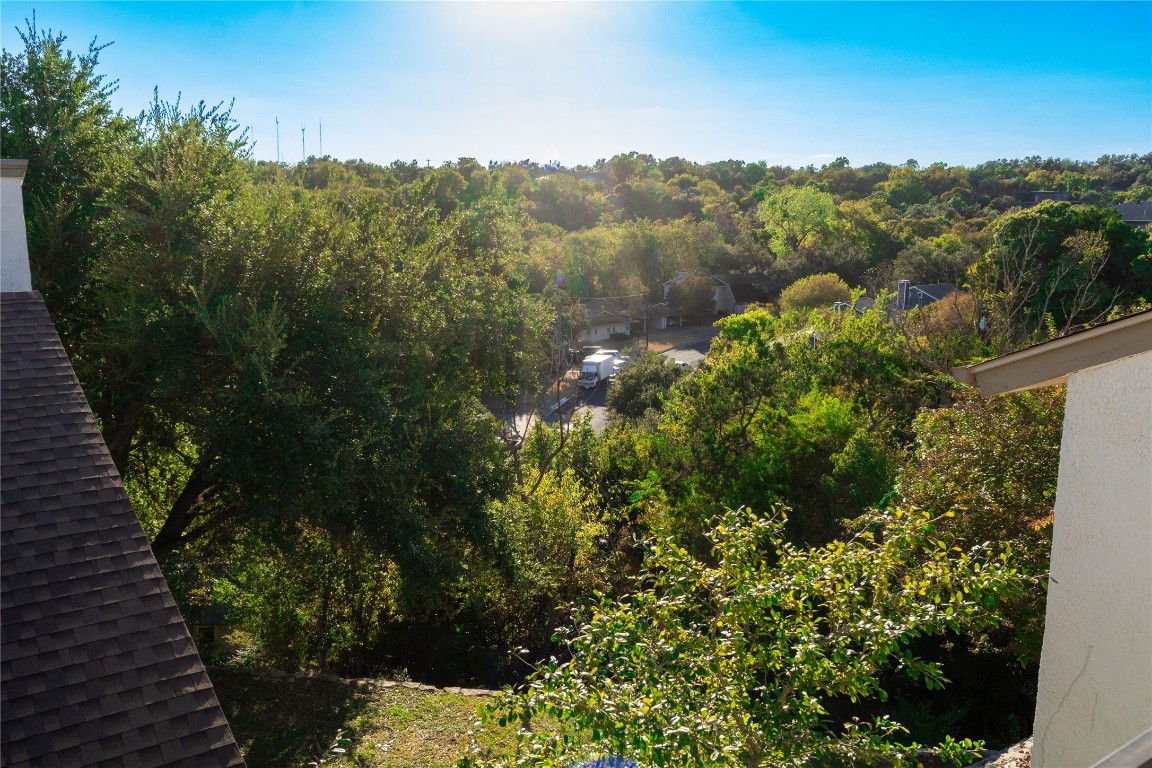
x: 15, y: 274
x: 902, y: 295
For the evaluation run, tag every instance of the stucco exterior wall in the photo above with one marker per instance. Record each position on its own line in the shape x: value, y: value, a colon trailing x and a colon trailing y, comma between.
x: 722, y: 300
x: 14, y: 273
x: 604, y: 332
x: 1095, y: 688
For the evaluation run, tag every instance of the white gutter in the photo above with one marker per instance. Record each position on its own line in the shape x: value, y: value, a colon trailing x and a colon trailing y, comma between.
x: 1050, y: 363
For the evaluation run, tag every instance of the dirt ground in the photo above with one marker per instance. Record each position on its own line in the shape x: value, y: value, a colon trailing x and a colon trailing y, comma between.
x: 662, y: 341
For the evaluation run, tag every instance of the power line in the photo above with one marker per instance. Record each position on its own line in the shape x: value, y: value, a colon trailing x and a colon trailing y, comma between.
x: 604, y: 298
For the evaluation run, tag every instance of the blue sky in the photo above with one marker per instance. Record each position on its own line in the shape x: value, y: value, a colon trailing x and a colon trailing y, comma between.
x: 787, y: 83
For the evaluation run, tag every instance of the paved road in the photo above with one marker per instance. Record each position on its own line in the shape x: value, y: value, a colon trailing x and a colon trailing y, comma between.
x: 691, y: 354
x: 594, y: 401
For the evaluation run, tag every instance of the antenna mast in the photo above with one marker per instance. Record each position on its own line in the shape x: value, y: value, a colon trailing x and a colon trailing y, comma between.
x: 277, y: 138
x: 321, y: 136
x: 303, y: 151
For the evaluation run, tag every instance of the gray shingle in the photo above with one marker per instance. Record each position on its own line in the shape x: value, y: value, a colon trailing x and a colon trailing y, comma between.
x: 97, y: 665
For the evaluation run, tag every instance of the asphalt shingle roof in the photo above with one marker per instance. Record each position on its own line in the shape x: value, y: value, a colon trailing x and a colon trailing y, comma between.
x: 662, y: 310
x: 923, y: 295
x: 744, y: 293
x: 96, y: 665
x: 1136, y: 214
x: 609, y: 318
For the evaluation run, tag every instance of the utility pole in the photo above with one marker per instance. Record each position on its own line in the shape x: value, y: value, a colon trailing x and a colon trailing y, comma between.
x: 277, y: 139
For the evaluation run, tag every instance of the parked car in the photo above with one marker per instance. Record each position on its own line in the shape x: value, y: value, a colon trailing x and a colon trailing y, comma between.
x: 682, y: 365
x: 619, y: 365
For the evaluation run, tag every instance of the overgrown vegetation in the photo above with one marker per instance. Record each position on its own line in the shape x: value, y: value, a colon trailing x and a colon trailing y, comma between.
x: 288, y: 365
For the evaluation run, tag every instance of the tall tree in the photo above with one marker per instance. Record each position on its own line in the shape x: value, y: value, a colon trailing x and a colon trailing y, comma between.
x: 1057, y: 265
x: 55, y: 112
x: 796, y: 216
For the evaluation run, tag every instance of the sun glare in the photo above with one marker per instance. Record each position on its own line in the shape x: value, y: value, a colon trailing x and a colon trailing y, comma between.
x: 522, y: 21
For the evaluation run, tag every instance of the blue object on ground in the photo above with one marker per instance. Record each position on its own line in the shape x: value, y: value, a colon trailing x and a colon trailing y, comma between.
x: 607, y: 762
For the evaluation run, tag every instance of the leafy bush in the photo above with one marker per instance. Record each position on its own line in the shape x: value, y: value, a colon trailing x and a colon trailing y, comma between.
x: 640, y: 388
x: 738, y: 660
x: 995, y: 462
x: 815, y: 291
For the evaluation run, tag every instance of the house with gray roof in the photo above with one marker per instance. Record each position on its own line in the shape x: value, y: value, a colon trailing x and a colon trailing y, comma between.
x: 909, y: 296
x: 732, y: 293
x: 1136, y: 214
x: 605, y: 325
x: 661, y: 317
x: 613, y: 305
x: 97, y: 667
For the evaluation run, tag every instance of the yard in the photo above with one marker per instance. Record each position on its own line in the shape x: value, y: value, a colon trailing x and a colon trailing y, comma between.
x: 289, y: 721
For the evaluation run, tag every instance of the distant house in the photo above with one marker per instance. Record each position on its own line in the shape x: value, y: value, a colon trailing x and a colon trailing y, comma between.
x: 661, y: 317
x: 608, y: 317
x: 732, y: 293
x: 96, y: 664
x: 909, y: 296
x: 607, y: 324
x: 599, y: 306
x: 1136, y: 214
x: 736, y: 292
x: 859, y: 306
x: 1094, y: 694
x: 1056, y: 195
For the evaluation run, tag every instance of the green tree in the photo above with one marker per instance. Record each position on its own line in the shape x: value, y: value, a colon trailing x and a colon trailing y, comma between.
x: 302, y: 356
x: 55, y: 112
x: 1057, y: 265
x: 625, y: 167
x: 692, y: 296
x: 796, y: 216
x: 639, y: 390
x: 995, y: 462
x: 736, y: 660
x: 905, y: 186
x: 943, y: 259
x: 774, y: 418
x: 566, y: 201
x: 815, y: 291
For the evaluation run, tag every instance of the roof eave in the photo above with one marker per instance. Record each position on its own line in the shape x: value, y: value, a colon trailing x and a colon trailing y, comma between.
x: 1050, y: 363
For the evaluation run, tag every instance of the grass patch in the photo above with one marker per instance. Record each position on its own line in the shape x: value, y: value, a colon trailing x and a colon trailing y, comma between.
x: 282, y: 722
x: 662, y: 341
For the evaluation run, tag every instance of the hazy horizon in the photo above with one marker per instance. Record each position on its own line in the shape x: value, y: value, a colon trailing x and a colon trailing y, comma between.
x: 785, y: 83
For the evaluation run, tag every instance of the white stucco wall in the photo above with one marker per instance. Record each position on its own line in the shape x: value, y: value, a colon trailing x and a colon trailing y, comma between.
x: 604, y: 332
x: 1095, y: 689
x: 722, y: 300
x: 14, y: 272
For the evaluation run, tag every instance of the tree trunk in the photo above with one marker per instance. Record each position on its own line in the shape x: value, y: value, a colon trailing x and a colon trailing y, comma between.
x: 183, y: 514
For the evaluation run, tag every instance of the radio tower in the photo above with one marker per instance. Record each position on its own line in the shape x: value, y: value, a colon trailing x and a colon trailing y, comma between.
x: 303, y: 151
x: 321, y: 136
x: 277, y: 139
